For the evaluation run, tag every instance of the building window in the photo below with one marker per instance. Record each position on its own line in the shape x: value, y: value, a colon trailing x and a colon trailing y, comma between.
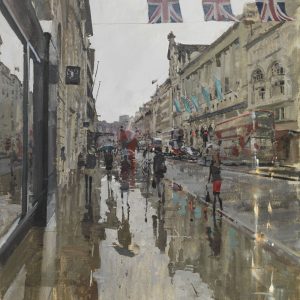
x: 281, y: 85
x: 262, y: 93
x: 277, y: 69
x: 257, y: 76
x: 227, y: 85
x: 280, y: 114
x: 258, y: 85
x: 277, y: 79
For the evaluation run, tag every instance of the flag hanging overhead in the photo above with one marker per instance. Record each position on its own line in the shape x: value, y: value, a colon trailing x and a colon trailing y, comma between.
x: 272, y: 10
x: 218, y: 10
x: 164, y: 11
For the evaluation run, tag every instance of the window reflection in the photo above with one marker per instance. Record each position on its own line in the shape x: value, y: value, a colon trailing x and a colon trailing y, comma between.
x: 11, y: 125
x: 30, y: 135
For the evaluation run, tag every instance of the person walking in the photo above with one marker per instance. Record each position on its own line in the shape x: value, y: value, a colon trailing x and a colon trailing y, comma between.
x: 215, y: 177
x: 108, y: 159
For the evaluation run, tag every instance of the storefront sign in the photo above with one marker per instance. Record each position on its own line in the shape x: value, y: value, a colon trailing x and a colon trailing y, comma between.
x: 73, y: 75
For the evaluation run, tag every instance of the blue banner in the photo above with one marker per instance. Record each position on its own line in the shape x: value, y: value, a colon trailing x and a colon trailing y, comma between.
x: 195, y: 102
x: 186, y: 105
x: 206, y: 95
x: 177, y: 106
x: 218, y: 86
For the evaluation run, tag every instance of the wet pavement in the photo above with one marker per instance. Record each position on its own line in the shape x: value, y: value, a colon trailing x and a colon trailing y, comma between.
x: 114, y: 238
x: 267, y: 207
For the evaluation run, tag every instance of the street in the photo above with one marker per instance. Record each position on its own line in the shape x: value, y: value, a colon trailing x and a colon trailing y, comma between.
x: 115, y: 241
x: 149, y: 150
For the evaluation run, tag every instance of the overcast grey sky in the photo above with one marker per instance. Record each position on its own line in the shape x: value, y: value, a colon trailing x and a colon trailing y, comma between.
x: 132, y: 55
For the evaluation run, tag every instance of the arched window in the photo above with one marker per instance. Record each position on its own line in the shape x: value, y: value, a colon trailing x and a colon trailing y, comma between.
x: 277, y: 69
x: 277, y: 79
x: 257, y: 75
x: 258, y: 86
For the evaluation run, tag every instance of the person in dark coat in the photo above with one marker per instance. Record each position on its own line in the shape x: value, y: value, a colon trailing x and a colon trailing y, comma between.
x: 215, y: 177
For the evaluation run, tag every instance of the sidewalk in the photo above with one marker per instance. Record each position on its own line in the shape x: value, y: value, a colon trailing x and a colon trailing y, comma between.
x: 284, y: 172
x: 266, y: 208
x: 280, y: 172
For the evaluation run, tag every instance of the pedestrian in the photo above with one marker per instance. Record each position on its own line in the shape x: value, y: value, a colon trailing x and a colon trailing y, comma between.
x: 205, y: 137
x: 215, y: 177
x: 108, y: 159
x: 216, y: 151
x: 159, y: 168
x: 122, y: 138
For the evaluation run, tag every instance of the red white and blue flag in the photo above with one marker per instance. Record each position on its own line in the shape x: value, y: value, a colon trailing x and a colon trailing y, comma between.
x: 164, y: 11
x: 272, y: 10
x: 218, y: 10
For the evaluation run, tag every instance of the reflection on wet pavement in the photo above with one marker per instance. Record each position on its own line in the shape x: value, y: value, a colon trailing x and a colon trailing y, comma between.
x: 267, y: 206
x: 130, y: 244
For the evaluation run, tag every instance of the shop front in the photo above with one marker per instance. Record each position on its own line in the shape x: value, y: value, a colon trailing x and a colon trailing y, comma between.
x: 23, y: 123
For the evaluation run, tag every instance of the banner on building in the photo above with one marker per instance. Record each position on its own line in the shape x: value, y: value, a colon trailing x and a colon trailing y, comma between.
x: 164, y: 11
x: 272, y: 10
x: 177, y: 106
x: 218, y: 87
x: 218, y: 10
x: 191, y: 104
x: 206, y: 95
x: 186, y: 105
x: 195, y: 101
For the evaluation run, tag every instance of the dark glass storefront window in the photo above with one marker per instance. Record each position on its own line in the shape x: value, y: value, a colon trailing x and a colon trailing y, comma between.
x: 11, y: 126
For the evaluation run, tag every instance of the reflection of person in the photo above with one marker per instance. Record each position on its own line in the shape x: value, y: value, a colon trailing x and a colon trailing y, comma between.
x: 124, y: 175
x: 161, y: 235
x: 124, y: 235
x: 214, y: 237
x: 154, y: 224
x: 159, y: 168
x: 215, y: 177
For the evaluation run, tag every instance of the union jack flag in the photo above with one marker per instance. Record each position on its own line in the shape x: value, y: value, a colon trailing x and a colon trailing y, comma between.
x: 164, y: 11
x: 272, y: 10
x: 218, y: 10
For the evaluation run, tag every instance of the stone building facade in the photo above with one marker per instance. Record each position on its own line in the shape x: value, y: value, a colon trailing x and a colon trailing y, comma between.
x: 254, y: 63
x: 72, y: 107
x: 224, y: 60
x: 48, y: 110
x: 143, y: 120
x: 273, y: 80
x: 162, y: 111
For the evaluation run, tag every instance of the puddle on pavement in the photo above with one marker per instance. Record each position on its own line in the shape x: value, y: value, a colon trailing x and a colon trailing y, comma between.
x: 130, y: 245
